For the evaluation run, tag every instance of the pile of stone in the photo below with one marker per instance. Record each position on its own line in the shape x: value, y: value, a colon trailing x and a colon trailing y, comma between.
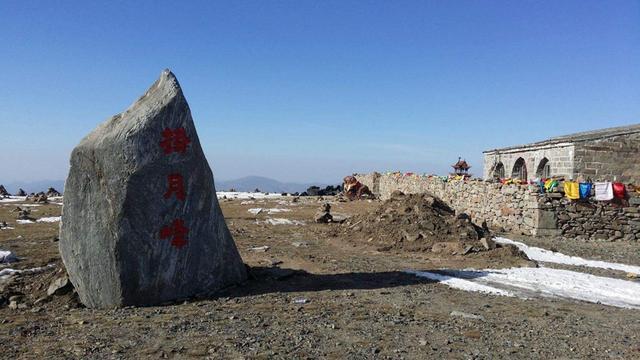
x: 21, y: 192
x: 40, y: 198
x: 51, y: 192
x: 323, y: 215
x: 23, y: 214
x: 3, y: 191
x: 327, y: 191
x: 420, y: 222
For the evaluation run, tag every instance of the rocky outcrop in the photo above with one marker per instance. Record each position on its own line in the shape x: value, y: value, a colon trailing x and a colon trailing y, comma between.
x: 141, y: 224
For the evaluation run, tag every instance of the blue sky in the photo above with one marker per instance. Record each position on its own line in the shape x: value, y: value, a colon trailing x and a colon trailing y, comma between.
x: 315, y: 90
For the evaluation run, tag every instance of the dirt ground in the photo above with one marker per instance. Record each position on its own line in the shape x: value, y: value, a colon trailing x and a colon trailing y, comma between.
x: 313, y: 294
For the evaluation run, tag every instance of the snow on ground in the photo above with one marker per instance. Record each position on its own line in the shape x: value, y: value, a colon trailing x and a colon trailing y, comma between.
x: 23, y: 205
x: 247, y: 195
x: 6, y: 273
x: 546, y: 282
x: 458, y: 283
x: 277, y: 210
x: 542, y: 282
x: 49, y: 219
x: 543, y: 255
x: 280, y: 221
x: 6, y: 228
x: 256, y: 211
x: 13, y: 199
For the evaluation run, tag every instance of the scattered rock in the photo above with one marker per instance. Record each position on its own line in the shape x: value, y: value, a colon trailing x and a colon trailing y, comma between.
x: 465, y: 315
x: 323, y: 215
x: 60, y: 286
x: 488, y: 244
x: 7, y: 256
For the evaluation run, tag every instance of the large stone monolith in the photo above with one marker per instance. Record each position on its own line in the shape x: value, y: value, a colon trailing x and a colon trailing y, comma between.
x: 141, y: 224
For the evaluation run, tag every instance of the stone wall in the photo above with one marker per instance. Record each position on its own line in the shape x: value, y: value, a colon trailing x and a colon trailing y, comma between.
x: 611, y: 158
x: 596, y: 220
x: 512, y: 208
x: 520, y: 209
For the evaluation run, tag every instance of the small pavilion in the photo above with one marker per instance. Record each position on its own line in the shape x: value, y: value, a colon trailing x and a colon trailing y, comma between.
x: 461, y: 168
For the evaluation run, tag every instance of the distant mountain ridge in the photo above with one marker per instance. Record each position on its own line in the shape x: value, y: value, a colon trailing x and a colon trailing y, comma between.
x: 247, y: 183
x: 34, y: 186
x: 250, y: 183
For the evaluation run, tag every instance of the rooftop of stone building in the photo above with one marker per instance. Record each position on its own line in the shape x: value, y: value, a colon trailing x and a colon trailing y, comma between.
x: 577, y: 137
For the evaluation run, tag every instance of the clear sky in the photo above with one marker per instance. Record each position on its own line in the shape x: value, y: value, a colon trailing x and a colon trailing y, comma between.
x: 315, y: 90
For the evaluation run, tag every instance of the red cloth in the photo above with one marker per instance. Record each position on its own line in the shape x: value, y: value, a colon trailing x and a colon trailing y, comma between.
x: 619, y: 190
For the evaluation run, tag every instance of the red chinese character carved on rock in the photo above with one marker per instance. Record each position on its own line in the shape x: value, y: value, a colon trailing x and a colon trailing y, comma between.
x: 174, y: 140
x: 176, y: 186
x: 177, y: 231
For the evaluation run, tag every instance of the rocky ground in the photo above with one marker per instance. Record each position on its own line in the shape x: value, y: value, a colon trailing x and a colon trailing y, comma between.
x: 315, y: 292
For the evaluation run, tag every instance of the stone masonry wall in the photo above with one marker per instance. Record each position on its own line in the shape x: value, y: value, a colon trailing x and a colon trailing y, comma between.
x: 595, y: 220
x: 612, y: 158
x: 512, y: 208
x: 520, y: 209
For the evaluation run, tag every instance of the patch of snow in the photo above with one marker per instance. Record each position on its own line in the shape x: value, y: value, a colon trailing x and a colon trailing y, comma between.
x: 259, y: 248
x: 7, y: 257
x: 461, y: 284
x: 542, y: 282
x: 277, y: 210
x: 6, y: 273
x: 24, y: 205
x: 247, y: 195
x: 6, y: 228
x: 281, y: 221
x: 255, y: 211
x: 25, y: 221
x: 13, y: 199
x: 49, y: 219
x: 543, y: 255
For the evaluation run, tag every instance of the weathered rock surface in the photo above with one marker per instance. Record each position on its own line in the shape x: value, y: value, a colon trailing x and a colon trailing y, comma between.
x: 129, y: 235
x: 60, y: 286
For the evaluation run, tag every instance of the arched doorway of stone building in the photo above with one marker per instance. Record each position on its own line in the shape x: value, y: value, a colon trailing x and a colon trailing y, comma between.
x: 544, y: 169
x: 519, y: 170
x: 498, y: 170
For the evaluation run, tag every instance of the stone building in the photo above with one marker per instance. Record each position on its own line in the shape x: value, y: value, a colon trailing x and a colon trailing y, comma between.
x: 607, y: 154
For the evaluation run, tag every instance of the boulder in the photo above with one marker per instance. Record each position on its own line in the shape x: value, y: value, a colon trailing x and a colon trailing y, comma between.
x: 60, y: 286
x: 141, y: 224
